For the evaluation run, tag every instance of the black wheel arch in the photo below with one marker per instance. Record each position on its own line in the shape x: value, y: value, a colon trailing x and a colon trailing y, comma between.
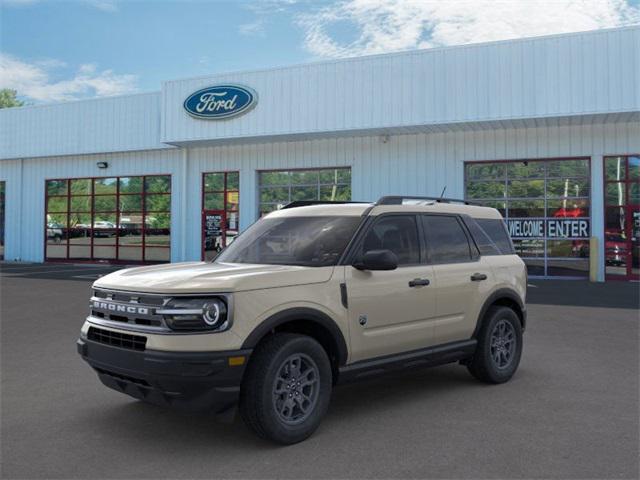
x: 306, y: 321
x: 504, y: 297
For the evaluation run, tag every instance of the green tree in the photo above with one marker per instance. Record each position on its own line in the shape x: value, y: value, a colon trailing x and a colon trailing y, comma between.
x: 8, y: 98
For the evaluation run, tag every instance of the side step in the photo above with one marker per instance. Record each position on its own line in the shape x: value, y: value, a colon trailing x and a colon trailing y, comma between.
x: 425, y: 357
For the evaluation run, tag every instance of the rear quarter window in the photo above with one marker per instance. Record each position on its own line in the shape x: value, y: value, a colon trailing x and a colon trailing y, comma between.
x: 490, y: 235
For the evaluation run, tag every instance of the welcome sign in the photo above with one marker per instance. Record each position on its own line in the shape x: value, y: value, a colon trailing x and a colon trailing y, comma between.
x: 220, y: 102
x: 550, y: 228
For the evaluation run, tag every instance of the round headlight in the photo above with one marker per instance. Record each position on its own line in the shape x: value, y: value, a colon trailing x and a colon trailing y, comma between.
x: 195, y: 314
x: 211, y: 313
x: 214, y: 313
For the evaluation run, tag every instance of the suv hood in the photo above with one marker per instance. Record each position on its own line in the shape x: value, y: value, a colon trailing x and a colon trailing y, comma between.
x: 204, y: 277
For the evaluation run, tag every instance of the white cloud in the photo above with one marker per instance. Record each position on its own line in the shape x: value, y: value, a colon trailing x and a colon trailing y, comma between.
x: 34, y: 80
x: 253, y: 28
x: 389, y: 25
x: 50, y: 63
x: 266, y: 7
x: 104, y: 5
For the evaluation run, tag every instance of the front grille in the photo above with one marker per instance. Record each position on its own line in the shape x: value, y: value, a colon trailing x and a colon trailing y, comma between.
x: 141, y: 298
x: 123, y: 319
x: 130, y: 308
x: 117, y: 339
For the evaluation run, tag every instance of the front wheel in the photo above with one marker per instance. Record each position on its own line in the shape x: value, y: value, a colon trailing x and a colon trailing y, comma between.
x: 286, y: 389
x: 499, y: 346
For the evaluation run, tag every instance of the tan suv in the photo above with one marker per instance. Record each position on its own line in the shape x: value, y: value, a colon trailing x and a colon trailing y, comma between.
x: 310, y: 296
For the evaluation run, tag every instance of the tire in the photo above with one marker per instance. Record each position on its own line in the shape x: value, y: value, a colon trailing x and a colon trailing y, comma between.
x: 497, y: 363
x: 274, y: 409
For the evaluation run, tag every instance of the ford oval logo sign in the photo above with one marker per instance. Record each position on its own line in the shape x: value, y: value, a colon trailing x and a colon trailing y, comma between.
x: 220, y: 101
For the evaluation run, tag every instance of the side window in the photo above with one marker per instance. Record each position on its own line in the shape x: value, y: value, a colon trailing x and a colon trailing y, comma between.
x: 485, y: 243
x: 497, y: 231
x: 446, y: 240
x: 398, y: 234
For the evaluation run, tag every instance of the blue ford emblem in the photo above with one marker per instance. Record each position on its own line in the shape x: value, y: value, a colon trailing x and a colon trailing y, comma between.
x: 220, y: 101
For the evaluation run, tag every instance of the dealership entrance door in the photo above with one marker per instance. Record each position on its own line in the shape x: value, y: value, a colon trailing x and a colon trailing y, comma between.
x: 622, y: 217
x: 220, y: 217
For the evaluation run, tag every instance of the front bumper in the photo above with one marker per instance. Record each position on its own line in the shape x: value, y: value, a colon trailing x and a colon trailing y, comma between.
x: 189, y: 380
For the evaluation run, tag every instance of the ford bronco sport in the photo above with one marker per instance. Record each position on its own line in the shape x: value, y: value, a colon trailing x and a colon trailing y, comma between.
x: 310, y: 296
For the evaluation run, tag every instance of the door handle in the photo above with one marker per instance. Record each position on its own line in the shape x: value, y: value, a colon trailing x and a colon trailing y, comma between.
x: 419, y: 282
x: 478, y: 277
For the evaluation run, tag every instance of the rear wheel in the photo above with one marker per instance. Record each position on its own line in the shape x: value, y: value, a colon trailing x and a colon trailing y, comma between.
x: 499, y: 346
x: 286, y: 389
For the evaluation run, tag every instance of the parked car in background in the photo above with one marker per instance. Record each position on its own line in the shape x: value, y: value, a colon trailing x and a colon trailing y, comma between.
x: 54, y: 232
x: 104, y: 229
x: 615, y: 249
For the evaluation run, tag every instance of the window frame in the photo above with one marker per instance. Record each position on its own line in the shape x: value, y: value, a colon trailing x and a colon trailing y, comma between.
x: 627, y: 208
x: 225, y: 210
x: 289, y: 185
x: 91, y: 195
x: 544, y: 260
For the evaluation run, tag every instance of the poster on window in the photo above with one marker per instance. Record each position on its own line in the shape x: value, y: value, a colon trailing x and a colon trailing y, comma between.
x: 212, y: 235
x: 213, y: 224
x: 550, y: 228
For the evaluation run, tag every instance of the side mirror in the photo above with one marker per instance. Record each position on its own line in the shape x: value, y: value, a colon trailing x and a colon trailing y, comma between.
x: 377, y: 260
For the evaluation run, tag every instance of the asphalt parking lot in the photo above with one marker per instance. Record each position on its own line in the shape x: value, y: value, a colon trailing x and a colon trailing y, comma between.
x: 570, y: 412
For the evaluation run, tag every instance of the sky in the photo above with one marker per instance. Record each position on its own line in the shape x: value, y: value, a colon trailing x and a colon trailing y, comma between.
x: 56, y: 50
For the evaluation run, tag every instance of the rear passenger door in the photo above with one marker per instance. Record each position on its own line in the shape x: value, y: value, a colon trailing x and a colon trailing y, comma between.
x: 462, y: 277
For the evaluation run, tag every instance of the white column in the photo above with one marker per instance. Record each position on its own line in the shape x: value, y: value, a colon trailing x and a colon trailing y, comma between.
x: 248, y: 197
x: 597, y: 210
x: 184, y: 204
x: 11, y: 172
x: 19, y: 250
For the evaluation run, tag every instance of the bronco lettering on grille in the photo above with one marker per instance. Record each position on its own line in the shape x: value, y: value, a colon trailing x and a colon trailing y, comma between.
x: 118, y: 307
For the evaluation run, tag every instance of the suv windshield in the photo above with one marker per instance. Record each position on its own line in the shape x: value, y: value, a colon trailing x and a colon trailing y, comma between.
x: 304, y: 241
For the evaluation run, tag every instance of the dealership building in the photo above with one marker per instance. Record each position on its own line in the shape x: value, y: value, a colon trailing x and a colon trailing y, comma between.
x: 545, y: 129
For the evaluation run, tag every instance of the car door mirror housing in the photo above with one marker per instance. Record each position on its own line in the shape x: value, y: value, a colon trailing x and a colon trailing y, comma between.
x: 377, y: 260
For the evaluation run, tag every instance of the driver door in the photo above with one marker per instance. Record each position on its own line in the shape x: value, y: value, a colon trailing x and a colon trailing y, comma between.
x: 389, y: 312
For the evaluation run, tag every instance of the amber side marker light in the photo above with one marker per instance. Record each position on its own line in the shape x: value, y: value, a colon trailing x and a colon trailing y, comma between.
x: 236, y: 361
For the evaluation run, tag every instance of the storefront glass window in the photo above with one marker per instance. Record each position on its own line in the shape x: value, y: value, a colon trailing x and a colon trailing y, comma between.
x: 278, y: 188
x: 220, y: 211
x: 622, y: 216
x: 112, y: 219
x: 546, y: 205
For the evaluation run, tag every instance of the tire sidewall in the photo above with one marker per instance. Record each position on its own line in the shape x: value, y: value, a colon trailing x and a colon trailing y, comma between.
x: 273, y: 426
x: 496, y: 374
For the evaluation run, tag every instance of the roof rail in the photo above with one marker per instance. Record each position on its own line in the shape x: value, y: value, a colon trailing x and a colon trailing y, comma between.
x: 398, y: 200
x: 306, y: 203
